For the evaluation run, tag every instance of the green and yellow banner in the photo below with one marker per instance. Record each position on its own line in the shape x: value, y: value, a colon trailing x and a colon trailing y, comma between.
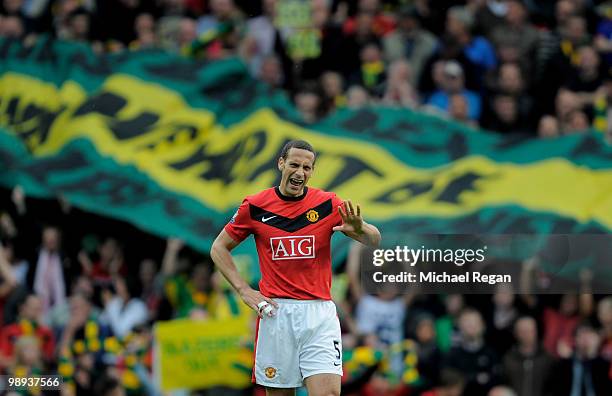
x: 173, y: 145
x: 191, y: 354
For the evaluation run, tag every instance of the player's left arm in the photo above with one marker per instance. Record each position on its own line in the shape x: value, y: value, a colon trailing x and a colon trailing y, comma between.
x: 355, y: 227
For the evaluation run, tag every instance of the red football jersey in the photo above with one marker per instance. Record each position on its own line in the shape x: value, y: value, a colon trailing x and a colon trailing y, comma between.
x: 292, y: 235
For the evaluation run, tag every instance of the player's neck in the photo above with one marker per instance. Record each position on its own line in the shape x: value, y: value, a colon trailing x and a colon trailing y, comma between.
x: 285, y: 197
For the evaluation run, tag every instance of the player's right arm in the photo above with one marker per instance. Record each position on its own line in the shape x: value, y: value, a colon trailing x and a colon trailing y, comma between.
x: 222, y: 257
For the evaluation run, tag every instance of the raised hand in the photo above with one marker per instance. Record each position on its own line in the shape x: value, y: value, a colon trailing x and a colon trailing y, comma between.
x: 351, y: 218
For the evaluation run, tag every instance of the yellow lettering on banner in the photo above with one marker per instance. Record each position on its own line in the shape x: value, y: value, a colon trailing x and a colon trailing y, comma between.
x: 304, y: 44
x: 186, y: 152
x: 293, y: 14
x: 200, y: 354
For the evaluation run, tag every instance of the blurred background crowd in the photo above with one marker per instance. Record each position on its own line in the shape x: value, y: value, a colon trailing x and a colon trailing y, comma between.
x: 79, y: 293
x: 508, y: 66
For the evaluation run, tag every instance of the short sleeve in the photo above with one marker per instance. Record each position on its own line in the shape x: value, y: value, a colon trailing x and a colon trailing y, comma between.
x: 336, y: 202
x: 240, y: 226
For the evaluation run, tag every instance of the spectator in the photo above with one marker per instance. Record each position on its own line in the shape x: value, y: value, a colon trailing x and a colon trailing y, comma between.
x: 488, y: 14
x: 398, y: 89
x: 176, y: 34
x: 587, y: 77
x: 504, y: 115
x: 61, y: 314
x: 564, y: 56
x: 583, y: 372
x: 188, y: 296
x: 566, y: 102
x: 372, y: 71
x: 109, y: 264
x: 453, y: 82
x: 381, y: 23
x: 500, y: 318
x: 49, y: 273
x: 29, y: 324
x: 333, y: 90
x: 77, y: 26
x: 473, y: 357
x: 516, y: 33
x: 357, y: 97
x: 559, y: 324
x: 381, y: 315
x: 219, y: 32
x: 8, y: 279
x: 271, y: 71
x: 577, y: 122
x: 458, y: 109
x: 602, y: 106
x: 527, y: 367
x: 261, y: 35
x: 152, y: 286
x: 604, y: 315
x: 501, y: 391
x: 564, y: 10
x: 221, y: 11
x: 429, y: 357
x: 187, y: 32
x: 603, y: 37
x: 447, y: 332
x: 353, y: 43
x: 11, y: 26
x: 12, y: 7
x: 108, y: 386
x: 459, y: 24
x: 28, y: 359
x: 123, y: 309
x: 511, y: 81
x: 80, y: 345
x: 144, y: 27
x: 548, y: 127
x: 410, y: 42
x: 325, y: 48
x: 18, y: 267
x: 309, y: 102
x: 452, y: 383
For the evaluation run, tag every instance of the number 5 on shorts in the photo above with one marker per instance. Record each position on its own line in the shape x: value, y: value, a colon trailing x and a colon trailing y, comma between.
x: 337, y: 348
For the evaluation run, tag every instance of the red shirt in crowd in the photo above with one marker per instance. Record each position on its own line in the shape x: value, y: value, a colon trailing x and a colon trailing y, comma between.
x: 558, y: 328
x: 11, y: 333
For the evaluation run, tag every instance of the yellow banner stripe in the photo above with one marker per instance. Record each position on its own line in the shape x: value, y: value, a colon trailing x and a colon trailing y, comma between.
x: 382, y: 185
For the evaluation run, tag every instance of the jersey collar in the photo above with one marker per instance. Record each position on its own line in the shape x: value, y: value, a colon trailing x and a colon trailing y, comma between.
x: 286, y: 198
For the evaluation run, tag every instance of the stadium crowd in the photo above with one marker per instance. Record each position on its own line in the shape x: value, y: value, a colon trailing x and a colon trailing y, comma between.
x: 503, y: 65
x: 79, y: 293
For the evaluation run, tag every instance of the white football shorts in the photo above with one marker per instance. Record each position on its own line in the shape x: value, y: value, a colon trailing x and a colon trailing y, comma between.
x: 302, y: 339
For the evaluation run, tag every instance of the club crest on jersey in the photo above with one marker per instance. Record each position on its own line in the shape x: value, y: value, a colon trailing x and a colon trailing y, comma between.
x: 270, y: 372
x: 293, y: 247
x: 312, y: 215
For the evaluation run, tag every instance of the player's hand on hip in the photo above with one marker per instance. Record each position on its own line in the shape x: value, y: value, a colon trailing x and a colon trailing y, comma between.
x: 351, y: 218
x: 258, y: 302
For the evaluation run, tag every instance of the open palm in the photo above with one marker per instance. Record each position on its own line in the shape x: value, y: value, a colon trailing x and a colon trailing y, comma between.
x: 351, y: 218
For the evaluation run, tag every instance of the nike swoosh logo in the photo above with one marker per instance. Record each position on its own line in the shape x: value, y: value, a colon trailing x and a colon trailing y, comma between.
x: 264, y: 219
x: 336, y: 364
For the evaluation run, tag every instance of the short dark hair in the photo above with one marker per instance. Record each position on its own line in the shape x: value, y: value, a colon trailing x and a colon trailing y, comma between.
x: 450, y: 377
x: 105, y: 385
x: 298, y: 144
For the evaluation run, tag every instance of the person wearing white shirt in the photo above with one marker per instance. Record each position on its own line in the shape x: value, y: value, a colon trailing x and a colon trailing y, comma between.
x: 123, y: 310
